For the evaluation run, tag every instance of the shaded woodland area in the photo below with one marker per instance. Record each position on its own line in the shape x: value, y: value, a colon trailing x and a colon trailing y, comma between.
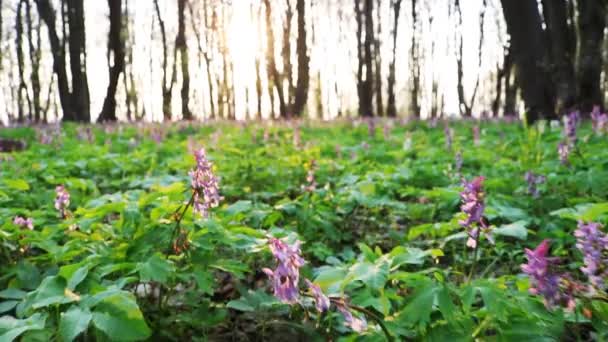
x: 552, y: 58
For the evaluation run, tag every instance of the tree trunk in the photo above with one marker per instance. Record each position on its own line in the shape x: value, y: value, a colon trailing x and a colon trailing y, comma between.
x: 286, y: 55
x: 22, y: 88
x: 524, y: 28
x: 34, y: 52
x: 592, y: 21
x: 562, y: 49
x: 273, y: 73
x: 116, y: 48
x: 415, y: 65
x: 301, y: 91
x: 166, y: 90
x: 365, y: 33
x: 78, y: 60
x: 182, y: 47
x: 378, y: 60
x: 391, y: 108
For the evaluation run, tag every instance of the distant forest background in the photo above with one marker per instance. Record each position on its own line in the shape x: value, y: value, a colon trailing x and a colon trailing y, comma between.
x: 162, y: 60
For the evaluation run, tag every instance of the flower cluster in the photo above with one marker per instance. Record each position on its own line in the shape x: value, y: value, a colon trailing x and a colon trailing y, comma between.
x: 599, y: 120
x: 286, y: 276
x: 458, y: 162
x: 533, y: 181
x: 473, y: 206
x: 476, y: 135
x: 371, y: 128
x: 355, y: 323
x: 544, y: 282
x: 285, y: 283
x: 24, y: 222
x: 448, y: 136
x: 204, y: 184
x: 321, y: 300
x: 311, y: 183
x: 593, y: 243
x: 563, y: 150
x: 570, y: 122
x: 62, y: 200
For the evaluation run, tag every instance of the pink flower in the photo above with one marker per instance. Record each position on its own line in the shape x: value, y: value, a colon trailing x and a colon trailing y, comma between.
x: 24, y: 222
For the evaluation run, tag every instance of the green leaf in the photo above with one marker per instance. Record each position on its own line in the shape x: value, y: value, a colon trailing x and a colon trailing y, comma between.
x: 8, y: 305
x: 239, y: 207
x: 11, y: 328
x: 156, y: 268
x: 75, y: 274
x: 119, y: 318
x: 372, y: 275
x: 516, y: 229
x: 51, y: 291
x: 17, y: 184
x: 330, y: 279
x: 12, y: 293
x: 240, y: 304
x: 73, y: 322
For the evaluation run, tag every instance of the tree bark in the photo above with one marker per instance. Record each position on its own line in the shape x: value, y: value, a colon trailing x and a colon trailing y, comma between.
x: 378, y: 60
x: 273, y: 73
x: 166, y: 90
x: 78, y: 60
x: 365, y: 33
x: 22, y: 88
x: 116, y: 48
x: 524, y: 28
x: 286, y: 55
x: 391, y: 108
x: 301, y: 91
x: 592, y: 21
x: 562, y: 49
x: 35, y: 56
x: 415, y: 65
x: 182, y: 47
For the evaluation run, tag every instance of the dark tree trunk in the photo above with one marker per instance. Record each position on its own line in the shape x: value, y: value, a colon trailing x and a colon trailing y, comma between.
x: 116, y: 48
x: 365, y: 33
x: 378, y: 60
x: 182, y: 47
x: 391, y: 108
x: 47, y: 13
x: 273, y: 73
x: 22, y: 88
x: 286, y: 54
x: 166, y: 89
x: 592, y: 21
x: 415, y: 65
x: 78, y: 60
x: 562, y: 48
x: 34, y: 52
x: 524, y: 28
x: 301, y: 91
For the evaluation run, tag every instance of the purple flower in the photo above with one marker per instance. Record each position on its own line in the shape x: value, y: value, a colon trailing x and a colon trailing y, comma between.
x: 472, y: 201
x: 286, y: 276
x: 321, y: 300
x: 570, y: 123
x: 297, y: 138
x: 563, y: 151
x: 386, y: 131
x: 62, y: 199
x: 204, y: 184
x: 593, y: 243
x: 534, y: 180
x: 476, y: 133
x: 458, y: 162
x: 448, y: 136
x: 24, y: 222
x: 599, y: 120
x: 355, y: 323
x: 473, y: 206
x: 371, y: 128
x: 543, y: 282
x: 311, y: 183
